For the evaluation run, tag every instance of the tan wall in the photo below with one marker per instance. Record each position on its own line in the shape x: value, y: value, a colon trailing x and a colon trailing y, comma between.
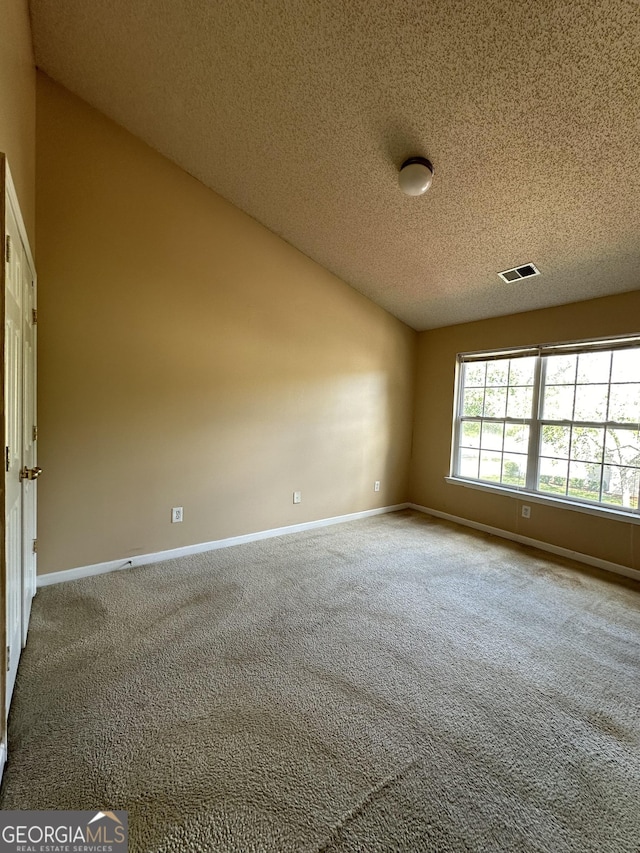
x: 189, y: 357
x: 616, y: 541
x: 18, y: 105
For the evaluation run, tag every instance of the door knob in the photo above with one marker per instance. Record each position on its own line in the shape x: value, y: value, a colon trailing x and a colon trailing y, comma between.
x: 30, y: 473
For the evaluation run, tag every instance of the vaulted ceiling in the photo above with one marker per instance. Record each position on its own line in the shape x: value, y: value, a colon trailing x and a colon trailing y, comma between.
x: 300, y: 112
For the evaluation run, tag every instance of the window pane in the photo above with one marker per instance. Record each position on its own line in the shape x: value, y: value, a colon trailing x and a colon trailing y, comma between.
x: 594, y: 367
x: 584, y: 481
x: 558, y: 402
x: 555, y: 440
x: 474, y: 373
x: 519, y: 402
x: 623, y: 447
x: 553, y: 476
x: 473, y: 401
x: 580, y: 457
x: 514, y: 469
x: 495, y: 402
x: 626, y: 365
x: 591, y: 402
x: 498, y: 372
x: 561, y: 369
x: 470, y: 434
x: 492, y: 436
x: 586, y: 444
x: 621, y: 486
x: 624, y: 403
x: 469, y: 461
x: 490, y: 465
x: 522, y: 371
x: 516, y: 438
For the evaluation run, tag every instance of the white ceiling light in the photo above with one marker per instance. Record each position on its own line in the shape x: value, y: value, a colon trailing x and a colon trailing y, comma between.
x: 416, y: 175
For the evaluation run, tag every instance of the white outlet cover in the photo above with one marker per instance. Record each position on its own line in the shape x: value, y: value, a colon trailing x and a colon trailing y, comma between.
x: 177, y: 514
x: 376, y: 486
x: 297, y: 497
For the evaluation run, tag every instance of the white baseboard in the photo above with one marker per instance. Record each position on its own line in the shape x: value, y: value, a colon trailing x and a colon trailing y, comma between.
x: 161, y: 556
x: 534, y: 543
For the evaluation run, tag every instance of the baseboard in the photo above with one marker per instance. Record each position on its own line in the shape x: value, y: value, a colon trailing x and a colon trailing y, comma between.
x: 161, y: 556
x: 534, y: 543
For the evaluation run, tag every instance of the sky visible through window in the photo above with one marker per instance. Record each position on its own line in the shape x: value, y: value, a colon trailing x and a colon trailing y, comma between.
x: 585, y: 445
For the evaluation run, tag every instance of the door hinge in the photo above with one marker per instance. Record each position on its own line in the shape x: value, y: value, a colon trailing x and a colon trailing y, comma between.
x: 34, y: 316
x: 7, y: 248
x: 8, y: 658
x: 35, y: 433
x: 7, y: 458
x: 35, y: 546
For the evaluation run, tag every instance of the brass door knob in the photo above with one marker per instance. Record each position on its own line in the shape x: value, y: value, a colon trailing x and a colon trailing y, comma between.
x: 30, y: 473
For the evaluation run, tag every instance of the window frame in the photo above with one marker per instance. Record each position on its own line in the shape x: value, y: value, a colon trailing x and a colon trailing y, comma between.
x: 536, y: 421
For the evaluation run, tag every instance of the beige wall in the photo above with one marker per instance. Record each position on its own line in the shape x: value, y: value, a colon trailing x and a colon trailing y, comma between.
x: 616, y: 541
x: 18, y: 105
x: 189, y: 357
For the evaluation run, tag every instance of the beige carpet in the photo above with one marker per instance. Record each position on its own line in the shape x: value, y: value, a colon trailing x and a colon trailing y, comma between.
x: 391, y: 684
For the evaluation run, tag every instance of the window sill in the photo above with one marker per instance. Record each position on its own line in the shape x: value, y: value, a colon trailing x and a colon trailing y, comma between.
x: 536, y: 497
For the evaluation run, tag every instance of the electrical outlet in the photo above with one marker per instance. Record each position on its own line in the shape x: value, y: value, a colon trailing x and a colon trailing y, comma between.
x: 376, y: 486
x: 297, y: 497
x: 526, y: 512
x: 176, y: 514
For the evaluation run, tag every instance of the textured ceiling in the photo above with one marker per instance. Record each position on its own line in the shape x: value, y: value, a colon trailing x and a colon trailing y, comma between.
x: 301, y: 111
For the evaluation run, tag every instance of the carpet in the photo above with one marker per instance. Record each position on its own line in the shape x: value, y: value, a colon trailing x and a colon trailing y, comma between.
x: 397, y: 683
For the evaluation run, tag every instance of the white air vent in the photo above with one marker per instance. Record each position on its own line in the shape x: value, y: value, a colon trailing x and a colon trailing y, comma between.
x: 516, y: 273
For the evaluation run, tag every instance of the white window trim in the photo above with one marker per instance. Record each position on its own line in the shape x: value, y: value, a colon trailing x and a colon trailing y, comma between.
x: 566, y: 502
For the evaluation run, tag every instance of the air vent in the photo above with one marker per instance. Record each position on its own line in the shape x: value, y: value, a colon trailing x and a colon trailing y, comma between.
x: 516, y: 273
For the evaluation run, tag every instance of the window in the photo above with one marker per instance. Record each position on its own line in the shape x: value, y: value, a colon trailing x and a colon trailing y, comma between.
x: 559, y: 420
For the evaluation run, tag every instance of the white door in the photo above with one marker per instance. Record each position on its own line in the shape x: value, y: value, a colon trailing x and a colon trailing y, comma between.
x: 29, y: 435
x: 13, y: 351
x: 21, y: 470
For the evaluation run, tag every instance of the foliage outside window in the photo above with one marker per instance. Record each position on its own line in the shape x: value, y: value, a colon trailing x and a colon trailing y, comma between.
x: 560, y: 420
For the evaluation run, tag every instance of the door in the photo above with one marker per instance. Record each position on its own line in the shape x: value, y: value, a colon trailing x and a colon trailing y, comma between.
x: 13, y: 402
x: 30, y: 470
x: 19, y: 399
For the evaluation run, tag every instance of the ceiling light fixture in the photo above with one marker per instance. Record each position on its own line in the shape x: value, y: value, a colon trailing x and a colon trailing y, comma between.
x: 416, y: 175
